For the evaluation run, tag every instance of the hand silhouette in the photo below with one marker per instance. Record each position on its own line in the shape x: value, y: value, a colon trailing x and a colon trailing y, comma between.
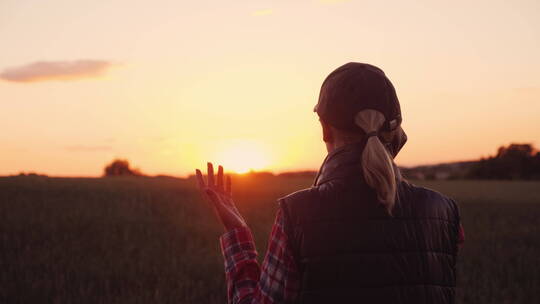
x: 219, y: 195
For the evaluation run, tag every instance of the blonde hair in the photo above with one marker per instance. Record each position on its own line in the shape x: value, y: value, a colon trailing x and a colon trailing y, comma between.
x: 379, y: 169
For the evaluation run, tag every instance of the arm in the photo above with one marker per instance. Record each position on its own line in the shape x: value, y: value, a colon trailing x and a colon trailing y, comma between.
x: 276, y: 282
x: 278, y: 279
x: 461, y: 236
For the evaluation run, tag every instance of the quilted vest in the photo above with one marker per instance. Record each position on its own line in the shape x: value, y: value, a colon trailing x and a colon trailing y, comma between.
x: 349, y: 250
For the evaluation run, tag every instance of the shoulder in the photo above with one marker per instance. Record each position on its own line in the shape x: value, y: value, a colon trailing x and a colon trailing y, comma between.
x: 298, y: 196
x: 297, y: 202
x: 420, y: 193
x: 429, y: 201
x: 312, y: 194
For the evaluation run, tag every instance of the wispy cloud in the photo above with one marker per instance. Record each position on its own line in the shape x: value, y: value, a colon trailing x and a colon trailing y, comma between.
x: 82, y: 148
x: 263, y: 12
x: 56, y: 70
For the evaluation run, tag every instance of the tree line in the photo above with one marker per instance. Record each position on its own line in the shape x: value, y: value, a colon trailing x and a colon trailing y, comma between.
x: 515, y: 161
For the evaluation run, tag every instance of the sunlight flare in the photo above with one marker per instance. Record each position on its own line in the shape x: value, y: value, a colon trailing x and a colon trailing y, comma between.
x: 243, y: 156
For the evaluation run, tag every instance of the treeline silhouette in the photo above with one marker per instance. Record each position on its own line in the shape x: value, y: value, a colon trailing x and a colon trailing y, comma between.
x: 121, y: 167
x: 516, y: 161
x: 513, y: 162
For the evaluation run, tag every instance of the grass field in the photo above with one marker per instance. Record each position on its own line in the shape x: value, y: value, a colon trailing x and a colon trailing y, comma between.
x: 152, y: 240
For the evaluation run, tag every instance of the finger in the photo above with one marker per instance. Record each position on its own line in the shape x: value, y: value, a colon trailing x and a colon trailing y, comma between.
x: 228, y: 185
x: 220, y: 178
x: 200, y: 179
x: 210, y: 169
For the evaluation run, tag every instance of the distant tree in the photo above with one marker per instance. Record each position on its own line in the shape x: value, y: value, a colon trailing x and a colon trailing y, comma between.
x: 32, y: 174
x: 120, y: 167
x: 516, y: 161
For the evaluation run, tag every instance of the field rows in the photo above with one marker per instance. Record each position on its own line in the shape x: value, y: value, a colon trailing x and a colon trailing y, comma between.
x: 151, y: 240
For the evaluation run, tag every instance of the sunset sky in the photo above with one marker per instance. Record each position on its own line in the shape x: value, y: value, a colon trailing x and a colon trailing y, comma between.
x: 169, y: 85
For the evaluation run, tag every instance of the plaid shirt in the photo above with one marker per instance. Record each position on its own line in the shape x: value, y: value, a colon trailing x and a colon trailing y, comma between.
x: 278, y: 281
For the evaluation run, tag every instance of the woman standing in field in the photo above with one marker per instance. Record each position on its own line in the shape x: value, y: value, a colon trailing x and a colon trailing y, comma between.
x: 361, y: 233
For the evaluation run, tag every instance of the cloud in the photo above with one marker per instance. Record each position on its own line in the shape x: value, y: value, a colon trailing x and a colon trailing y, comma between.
x: 81, y: 148
x: 56, y: 70
x: 263, y: 12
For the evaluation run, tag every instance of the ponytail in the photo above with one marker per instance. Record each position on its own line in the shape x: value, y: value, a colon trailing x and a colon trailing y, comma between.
x: 377, y: 164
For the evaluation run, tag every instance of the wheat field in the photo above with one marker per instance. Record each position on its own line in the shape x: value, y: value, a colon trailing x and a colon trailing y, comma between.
x: 153, y: 240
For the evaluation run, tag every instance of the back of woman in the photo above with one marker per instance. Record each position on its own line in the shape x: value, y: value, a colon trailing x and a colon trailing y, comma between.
x: 349, y: 249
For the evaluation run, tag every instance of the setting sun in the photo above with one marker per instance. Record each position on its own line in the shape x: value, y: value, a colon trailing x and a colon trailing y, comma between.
x: 241, y: 157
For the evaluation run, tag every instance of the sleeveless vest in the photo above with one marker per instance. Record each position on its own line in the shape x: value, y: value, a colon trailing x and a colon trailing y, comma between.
x: 349, y: 250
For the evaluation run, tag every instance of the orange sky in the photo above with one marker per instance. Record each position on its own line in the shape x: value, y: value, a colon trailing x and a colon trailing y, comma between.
x: 170, y: 85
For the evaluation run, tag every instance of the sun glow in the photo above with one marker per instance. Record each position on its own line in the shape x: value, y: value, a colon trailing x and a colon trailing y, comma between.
x: 242, y: 157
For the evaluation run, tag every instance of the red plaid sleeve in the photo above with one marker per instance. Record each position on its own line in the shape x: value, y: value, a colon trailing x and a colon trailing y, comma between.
x: 461, y: 236
x: 277, y: 281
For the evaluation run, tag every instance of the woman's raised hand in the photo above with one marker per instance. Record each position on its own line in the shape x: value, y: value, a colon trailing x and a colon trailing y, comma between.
x: 219, y: 195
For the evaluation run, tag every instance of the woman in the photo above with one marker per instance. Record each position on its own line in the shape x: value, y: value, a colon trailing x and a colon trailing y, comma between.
x: 360, y: 234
